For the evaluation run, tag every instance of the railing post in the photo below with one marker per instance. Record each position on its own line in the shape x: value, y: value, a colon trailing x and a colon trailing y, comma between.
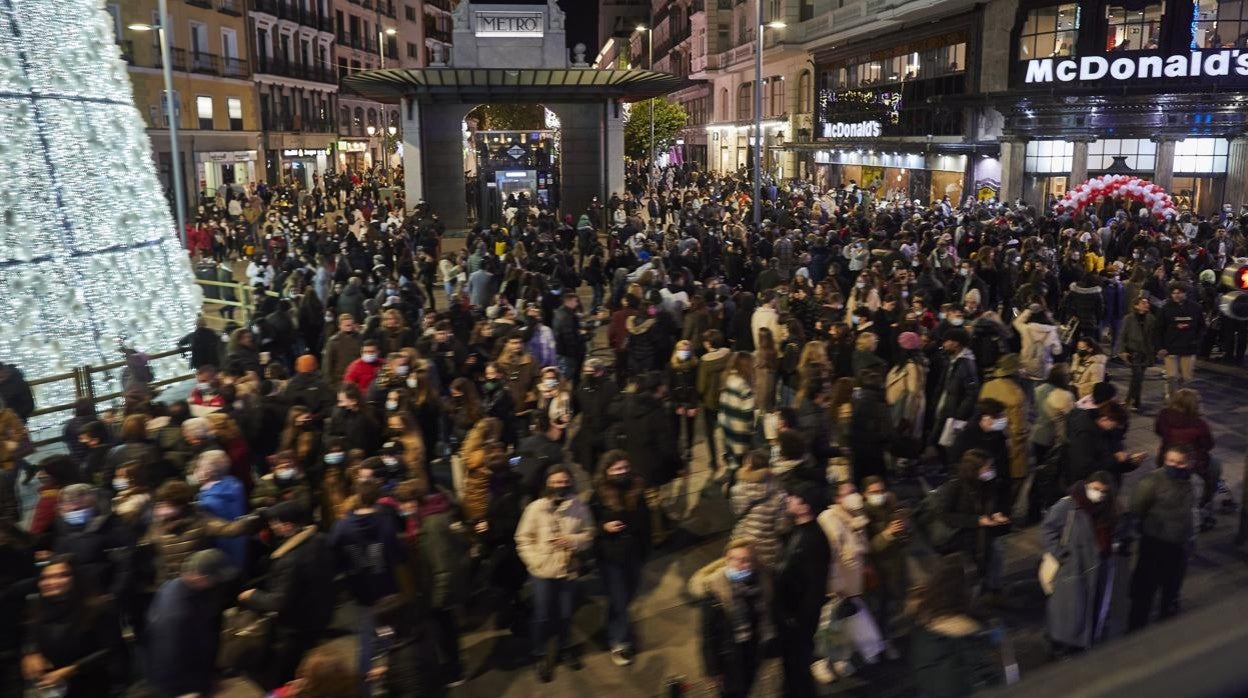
x: 84, y: 387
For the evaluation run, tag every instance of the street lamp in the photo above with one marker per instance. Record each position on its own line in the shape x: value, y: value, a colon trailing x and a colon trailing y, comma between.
x: 650, y: 65
x: 385, y: 113
x: 758, y: 110
x: 175, y: 159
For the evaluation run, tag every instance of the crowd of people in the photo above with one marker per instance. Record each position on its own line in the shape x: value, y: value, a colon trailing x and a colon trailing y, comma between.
x: 352, y: 454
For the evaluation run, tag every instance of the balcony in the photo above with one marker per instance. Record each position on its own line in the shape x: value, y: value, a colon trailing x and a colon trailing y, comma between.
x: 283, y: 9
x: 298, y: 124
x: 289, y: 69
x: 432, y: 32
x: 444, y: 5
x: 234, y: 8
x: 187, y: 62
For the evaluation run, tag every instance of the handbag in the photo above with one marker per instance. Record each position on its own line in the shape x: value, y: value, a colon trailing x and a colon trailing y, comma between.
x: 950, y: 432
x: 246, y: 636
x: 1049, y: 564
x: 1066, y: 332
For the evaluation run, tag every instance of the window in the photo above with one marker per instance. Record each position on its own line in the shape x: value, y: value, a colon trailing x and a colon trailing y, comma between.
x: 1220, y: 24
x: 1134, y: 29
x: 234, y: 108
x: 1201, y: 155
x: 372, y: 117
x: 1044, y: 157
x: 777, y: 95
x: 344, y: 120
x: 203, y: 109
x: 743, y: 35
x: 803, y: 92
x: 229, y: 43
x: 413, y: 51
x: 745, y: 98
x: 409, y: 12
x: 1135, y: 153
x: 1049, y: 31
x: 903, y: 67
x: 807, y: 10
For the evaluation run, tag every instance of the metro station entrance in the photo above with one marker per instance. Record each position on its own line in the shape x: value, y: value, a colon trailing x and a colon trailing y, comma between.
x: 513, y: 168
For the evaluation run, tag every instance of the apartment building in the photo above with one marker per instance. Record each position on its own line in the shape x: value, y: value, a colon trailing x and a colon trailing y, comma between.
x: 214, y: 96
x: 292, y: 51
x: 368, y: 33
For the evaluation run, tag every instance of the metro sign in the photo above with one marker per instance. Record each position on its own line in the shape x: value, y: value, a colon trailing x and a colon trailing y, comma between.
x: 503, y: 23
x: 516, y: 152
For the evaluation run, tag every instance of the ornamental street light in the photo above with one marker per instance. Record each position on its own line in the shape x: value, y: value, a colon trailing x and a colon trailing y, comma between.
x: 758, y: 110
x: 175, y: 159
x: 650, y: 65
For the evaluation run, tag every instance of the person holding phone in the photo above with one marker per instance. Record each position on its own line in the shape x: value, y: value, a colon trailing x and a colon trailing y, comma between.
x: 622, y: 541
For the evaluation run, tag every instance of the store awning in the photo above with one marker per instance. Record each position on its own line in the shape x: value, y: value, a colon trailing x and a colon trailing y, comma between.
x: 466, y: 85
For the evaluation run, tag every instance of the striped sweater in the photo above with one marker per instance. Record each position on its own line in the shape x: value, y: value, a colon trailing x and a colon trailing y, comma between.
x: 736, y: 415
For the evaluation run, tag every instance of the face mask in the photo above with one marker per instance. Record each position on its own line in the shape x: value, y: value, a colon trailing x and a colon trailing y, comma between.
x: 120, y: 484
x: 999, y: 424
x: 738, y: 576
x: 860, y: 284
x: 940, y: 316
x: 411, y: 382
x: 192, y: 480
x: 392, y: 405
x: 77, y: 518
x: 1085, y: 352
x: 390, y: 461
x: 964, y: 272
x: 956, y: 321
x: 204, y: 387
x: 1095, y: 496
x: 284, y: 473
x: 621, y: 479
x: 905, y: 294
x: 561, y: 493
x: 876, y: 499
x: 852, y: 502
x: 1178, y: 473
x: 853, y: 319
x: 550, y: 384
x: 334, y: 458
x: 652, y: 311
x: 369, y: 358
x: 683, y: 355
x: 988, y: 475
x: 402, y: 370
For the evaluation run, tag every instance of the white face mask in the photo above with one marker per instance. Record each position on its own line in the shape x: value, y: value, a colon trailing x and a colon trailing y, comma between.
x: 369, y: 358
x: 1094, y: 495
x: 988, y: 475
x: 999, y: 424
x: 392, y: 405
x: 852, y: 502
x: 402, y: 370
x: 411, y: 381
x: 877, y: 499
x: 682, y: 355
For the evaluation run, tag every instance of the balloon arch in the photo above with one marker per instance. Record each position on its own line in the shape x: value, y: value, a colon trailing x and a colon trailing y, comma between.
x: 1152, y: 196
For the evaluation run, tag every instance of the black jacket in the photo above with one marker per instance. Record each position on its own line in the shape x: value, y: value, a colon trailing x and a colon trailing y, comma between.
x: 631, y: 544
x: 991, y: 441
x: 103, y: 551
x: 801, y: 578
x: 1181, y: 325
x: 647, y: 431
x: 299, y: 585
x: 311, y: 391
x: 183, y: 636
x: 358, y: 429
x: 567, y: 330
x: 959, y: 389
x: 204, y: 345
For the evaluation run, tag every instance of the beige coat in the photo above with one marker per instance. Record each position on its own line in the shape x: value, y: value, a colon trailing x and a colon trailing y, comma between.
x: 847, y: 536
x: 544, y: 520
x: 1011, y: 395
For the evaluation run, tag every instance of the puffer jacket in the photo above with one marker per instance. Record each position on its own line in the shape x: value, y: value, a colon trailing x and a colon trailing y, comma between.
x: 1086, y: 303
x: 757, y: 502
x: 847, y: 538
x: 720, y: 651
x: 542, y: 520
x: 682, y: 382
x: 175, y: 540
x: 736, y: 415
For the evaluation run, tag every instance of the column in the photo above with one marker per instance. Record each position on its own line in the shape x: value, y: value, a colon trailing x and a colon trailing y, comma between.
x: 1079, y: 164
x: 1237, y: 173
x: 1163, y: 172
x: 413, y: 167
x: 1013, y: 151
x: 615, y: 148
x: 442, y: 149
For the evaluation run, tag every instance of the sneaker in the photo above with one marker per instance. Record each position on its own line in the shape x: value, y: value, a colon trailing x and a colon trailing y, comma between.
x: 622, y: 656
x: 822, y: 672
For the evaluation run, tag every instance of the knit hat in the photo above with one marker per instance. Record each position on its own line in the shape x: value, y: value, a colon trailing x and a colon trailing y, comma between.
x: 908, y: 341
x: 305, y: 364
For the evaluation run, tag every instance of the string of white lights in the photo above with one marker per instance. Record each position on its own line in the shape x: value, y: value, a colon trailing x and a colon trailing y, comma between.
x: 89, y: 257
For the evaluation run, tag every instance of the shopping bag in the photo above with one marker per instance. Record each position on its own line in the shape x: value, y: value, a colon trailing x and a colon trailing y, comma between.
x: 862, y: 631
x: 950, y: 432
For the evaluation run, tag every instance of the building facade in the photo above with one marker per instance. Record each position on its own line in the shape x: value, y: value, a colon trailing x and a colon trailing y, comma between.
x: 368, y: 36
x: 215, y: 101
x: 292, y: 52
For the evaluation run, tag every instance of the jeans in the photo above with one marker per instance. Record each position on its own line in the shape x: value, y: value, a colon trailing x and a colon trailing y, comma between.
x: 1160, y: 565
x: 553, y: 601
x: 596, y: 302
x: 621, y: 579
x: 367, y: 629
x: 798, y: 649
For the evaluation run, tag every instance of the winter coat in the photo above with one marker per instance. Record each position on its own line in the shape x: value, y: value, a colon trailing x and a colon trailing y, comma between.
x: 710, y: 377
x: 736, y: 415
x: 476, y: 485
x: 768, y: 317
x: 1071, y: 610
x: 340, y: 350
x: 299, y: 585
x: 568, y: 339
x: 959, y: 388
x: 904, y: 391
x: 1176, y: 428
x: 102, y: 549
x: 361, y: 373
x: 310, y: 390
x: 177, y: 539
x: 89, y: 640
x: 758, y: 503
x: 543, y: 519
x: 1091, y: 447
x: 1086, y: 372
x: 1137, y: 336
x: 945, y: 655
x: 1181, y: 327
x: 357, y: 428
x: 183, y: 635
x: 849, y: 547
x: 722, y: 654
x: 366, y: 547
x: 521, y: 373
x: 1053, y: 405
x: 1163, y: 507
x: 682, y: 382
x: 801, y: 578
x: 888, y: 552
x: 1039, y: 345
x: 872, y: 431
x: 1007, y: 390
x: 644, y: 352
x: 227, y: 500
x: 629, y: 507
x: 650, y: 438
x: 1087, y: 304
x: 439, y: 553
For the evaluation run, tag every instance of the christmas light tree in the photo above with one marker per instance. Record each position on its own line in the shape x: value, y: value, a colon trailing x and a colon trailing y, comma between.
x: 89, y: 255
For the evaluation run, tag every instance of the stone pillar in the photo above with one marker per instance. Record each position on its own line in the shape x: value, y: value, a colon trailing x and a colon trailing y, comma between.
x: 1163, y: 172
x: 413, y: 165
x: 1237, y: 173
x: 1013, y: 151
x: 581, y: 147
x: 442, y: 147
x: 615, y: 148
x: 1078, y: 165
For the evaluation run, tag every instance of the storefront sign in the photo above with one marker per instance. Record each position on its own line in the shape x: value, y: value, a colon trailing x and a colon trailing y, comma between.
x: 352, y: 147
x: 229, y: 156
x: 302, y: 153
x: 862, y: 129
x: 501, y: 23
x: 1139, y: 66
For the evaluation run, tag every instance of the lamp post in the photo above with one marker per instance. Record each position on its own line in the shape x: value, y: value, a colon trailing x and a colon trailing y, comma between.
x: 650, y: 65
x: 385, y: 112
x: 758, y: 110
x: 175, y: 158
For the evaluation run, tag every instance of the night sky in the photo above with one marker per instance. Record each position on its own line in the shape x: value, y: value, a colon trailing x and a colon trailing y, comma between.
x: 582, y: 22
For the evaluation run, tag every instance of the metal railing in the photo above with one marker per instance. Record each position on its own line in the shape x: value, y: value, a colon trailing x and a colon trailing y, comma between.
x: 290, y: 69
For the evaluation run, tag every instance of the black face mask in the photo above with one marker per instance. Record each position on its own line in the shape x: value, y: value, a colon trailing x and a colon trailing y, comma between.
x: 620, y: 480
x: 560, y: 493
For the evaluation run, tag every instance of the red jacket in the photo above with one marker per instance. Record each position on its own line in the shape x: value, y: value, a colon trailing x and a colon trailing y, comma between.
x: 361, y: 373
x: 45, y: 510
x: 1176, y: 428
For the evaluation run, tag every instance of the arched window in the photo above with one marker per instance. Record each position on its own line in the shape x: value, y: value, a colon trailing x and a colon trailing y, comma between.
x: 745, y: 99
x: 372, y: 117
x: 777, y: 97
x: 804, y: 92
x: 344, y: 123
x: 358, y: 125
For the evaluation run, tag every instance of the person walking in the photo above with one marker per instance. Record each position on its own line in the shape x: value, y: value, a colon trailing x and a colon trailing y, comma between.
x: 1180, y: 326
x: 736, y: 601
x: 736, y: 407
x: 183, y: 627
x: 1080, y: 532
x: 1181, y: 422
x: 552, y: 530
x: 758, y: 502
x: 1138, y: 332
x: 801, y: 579
x: 1162, y: 504
x: 622, y: 540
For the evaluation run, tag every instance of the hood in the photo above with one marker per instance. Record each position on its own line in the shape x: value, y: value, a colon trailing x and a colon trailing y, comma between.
x: 1086, y: 290
x: 637, y: 325
x: 294, y: 541
x: 753, y: 475
x: 699, y: 583
x: 1038, y: 333
x: 715, y: 354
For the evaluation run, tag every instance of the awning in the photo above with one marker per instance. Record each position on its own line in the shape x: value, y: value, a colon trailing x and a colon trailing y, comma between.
x: 464, y: 85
